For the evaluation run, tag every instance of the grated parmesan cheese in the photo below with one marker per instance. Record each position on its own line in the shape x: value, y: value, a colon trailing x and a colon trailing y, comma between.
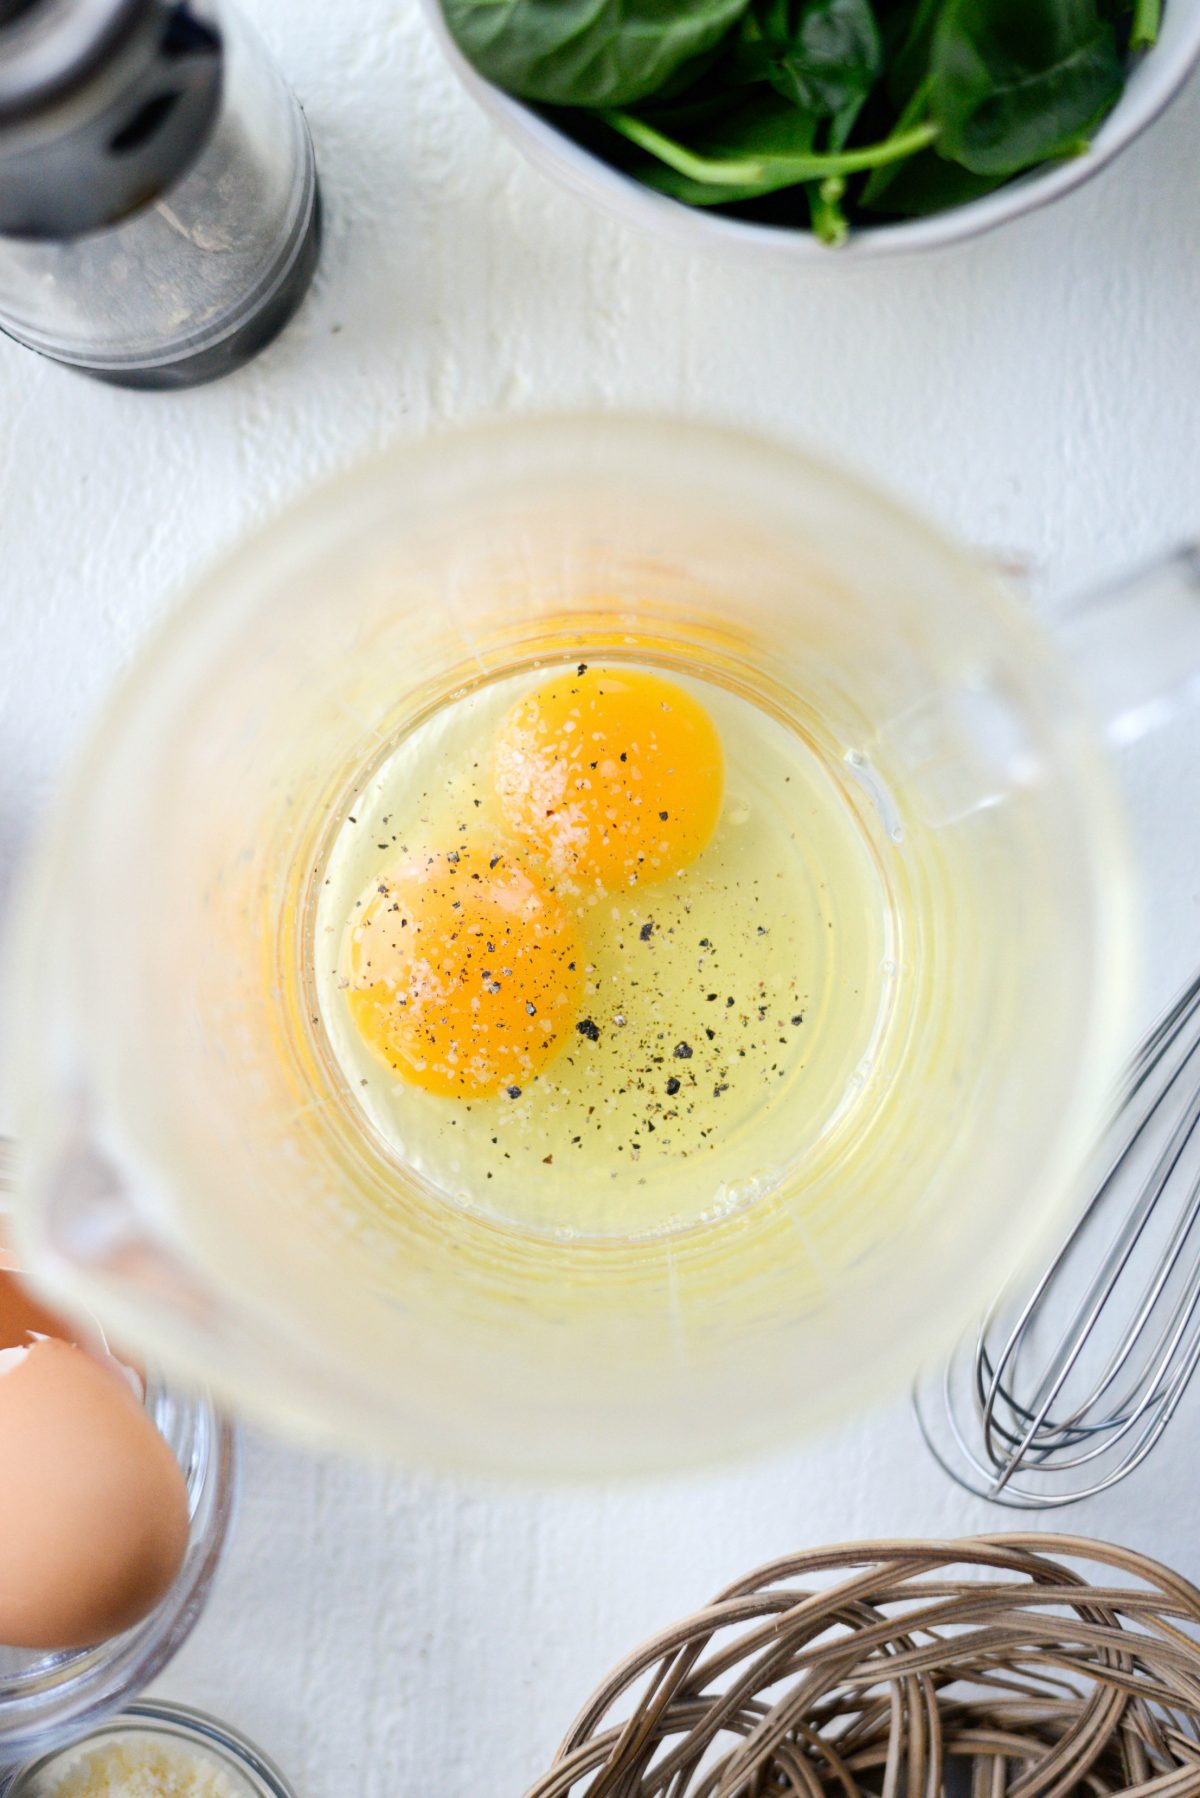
x: 142, y: 1766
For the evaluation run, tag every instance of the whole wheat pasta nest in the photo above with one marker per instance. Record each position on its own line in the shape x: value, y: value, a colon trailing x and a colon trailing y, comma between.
x: 1013, y: 1664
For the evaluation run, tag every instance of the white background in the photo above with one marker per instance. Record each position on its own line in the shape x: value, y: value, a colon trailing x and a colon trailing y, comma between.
x: 1036, y: 391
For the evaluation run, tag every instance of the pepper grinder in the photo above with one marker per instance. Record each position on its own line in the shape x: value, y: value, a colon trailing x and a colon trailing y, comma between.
x: 159, y: 208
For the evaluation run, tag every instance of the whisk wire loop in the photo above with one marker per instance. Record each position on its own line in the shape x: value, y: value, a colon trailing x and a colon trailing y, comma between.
x: 1062, y: 1392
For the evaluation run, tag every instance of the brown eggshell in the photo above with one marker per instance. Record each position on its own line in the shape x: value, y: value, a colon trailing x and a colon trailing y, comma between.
x: 93, y: 1506
x: 23, y: 1316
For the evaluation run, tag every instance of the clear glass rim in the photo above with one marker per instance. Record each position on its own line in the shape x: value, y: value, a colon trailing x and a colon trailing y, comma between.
x: 200, y: 631
x: 162, y: 1716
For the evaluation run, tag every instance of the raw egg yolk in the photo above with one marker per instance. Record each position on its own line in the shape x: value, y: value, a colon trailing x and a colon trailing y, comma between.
x: 615, y: 777
x: 464, y: 972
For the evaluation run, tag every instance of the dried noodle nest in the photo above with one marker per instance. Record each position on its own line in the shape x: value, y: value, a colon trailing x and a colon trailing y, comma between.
x: 910, y: 1669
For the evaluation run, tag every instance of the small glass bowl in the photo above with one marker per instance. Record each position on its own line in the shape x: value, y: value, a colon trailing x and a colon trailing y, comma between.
x: 250, y: 1770
x: 48, y: 1699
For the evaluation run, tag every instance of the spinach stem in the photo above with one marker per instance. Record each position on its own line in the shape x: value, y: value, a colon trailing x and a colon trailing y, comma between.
x: 829, y: 222
x: 916, y: 107
x: 918, y: 102
x: 745, y: 171
x: 1147, y: 16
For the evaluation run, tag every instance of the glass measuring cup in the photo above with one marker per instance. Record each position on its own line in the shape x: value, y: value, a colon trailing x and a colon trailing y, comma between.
x: 194, y: 1172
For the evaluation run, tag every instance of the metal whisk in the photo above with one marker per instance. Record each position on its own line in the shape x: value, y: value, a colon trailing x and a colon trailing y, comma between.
x: 1067, y: 1387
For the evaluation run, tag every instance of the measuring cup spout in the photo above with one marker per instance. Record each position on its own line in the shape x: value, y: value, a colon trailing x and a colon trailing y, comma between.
x: 1134, y: 646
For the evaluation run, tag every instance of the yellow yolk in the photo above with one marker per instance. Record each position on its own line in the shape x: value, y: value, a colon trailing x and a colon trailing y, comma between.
x: 615, y: 777
x: 464, y: 972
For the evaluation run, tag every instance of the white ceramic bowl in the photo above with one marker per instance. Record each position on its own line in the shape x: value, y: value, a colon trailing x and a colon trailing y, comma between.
x: 1152, y: 85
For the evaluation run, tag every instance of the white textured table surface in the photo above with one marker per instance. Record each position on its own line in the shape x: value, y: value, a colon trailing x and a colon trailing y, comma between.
x: 1037, y: 391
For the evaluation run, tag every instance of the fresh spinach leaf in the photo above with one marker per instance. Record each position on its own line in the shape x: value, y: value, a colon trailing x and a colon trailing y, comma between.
x: 907, y: 52
x: 842, y: 124
x: 1015, y: 85
x: 586, y: 52
x: 924, y: 184
x: 822, y: 56
x: 915, y: 109
x: 693, y: 76
x: 692, y: 111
